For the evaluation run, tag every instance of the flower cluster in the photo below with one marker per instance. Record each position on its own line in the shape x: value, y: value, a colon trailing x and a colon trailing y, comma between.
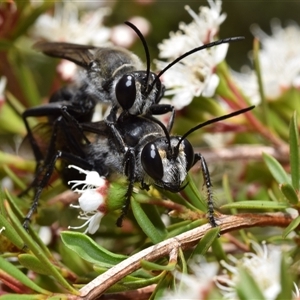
x: 92, y: 199
x: 195, y: 75
x: 66, y: 25
x: 264, y: 267
x: 279, y: 63
x: 196, y: 285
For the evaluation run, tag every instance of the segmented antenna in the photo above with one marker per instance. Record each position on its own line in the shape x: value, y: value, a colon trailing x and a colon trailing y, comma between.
x: 211, y: 121
x: 165, y: 130
x: 142, y: 38
x: 212, y: 44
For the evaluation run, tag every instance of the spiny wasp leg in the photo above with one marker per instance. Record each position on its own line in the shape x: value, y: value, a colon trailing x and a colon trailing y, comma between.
x: 45, y: 177
x: 208, y: 185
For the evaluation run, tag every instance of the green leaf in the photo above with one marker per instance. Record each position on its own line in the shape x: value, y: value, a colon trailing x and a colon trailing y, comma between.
x: 294, y: 152
x: 177, y: 198
x: 16, y: 161
x: 32, y: 263
x: 286, y: 280
x: 43, y: 255
x: 145, y: 223
x: 89, y: 250
x: 152, y: 213
x: 10, y: 232
x: 21, y: 297
x: 276, y: 169
x: 18, y: 275
x: 10, y: 122
x: 132, y: 283
x: 25, y: 79
x: 153, y: 266
x: 218, y: 250
x: 293, y: 225
x: 256, y: 204
x: 247, y: 286
x: 205, y: 242
x: 289, y: 192
x: 162, y: 286
x: 185, y: 226
x: 193, y: 195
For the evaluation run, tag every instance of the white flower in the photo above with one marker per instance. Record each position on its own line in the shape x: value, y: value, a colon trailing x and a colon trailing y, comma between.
x: 124, y: 36
x: 66, y: 25
x: 264, y: 267
x: 45, y: 234
x: 3, y: 82
x: 296, y: 293
x: 92, y: 199
x: 197, y: 285
x: 195, y: 74
x: 279, y: 59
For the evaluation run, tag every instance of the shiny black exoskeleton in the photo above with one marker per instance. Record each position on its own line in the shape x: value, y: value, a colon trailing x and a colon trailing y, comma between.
x: 140, y: 148
x: 115, y: 76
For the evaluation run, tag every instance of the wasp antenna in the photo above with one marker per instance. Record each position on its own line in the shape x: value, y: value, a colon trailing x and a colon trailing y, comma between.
x: 163, y: 128
x: 212, y: 44
x: 142, y: 38
x: 215, y: 120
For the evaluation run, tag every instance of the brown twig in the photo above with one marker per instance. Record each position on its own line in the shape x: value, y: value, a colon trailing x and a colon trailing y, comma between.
x: 185, y: 240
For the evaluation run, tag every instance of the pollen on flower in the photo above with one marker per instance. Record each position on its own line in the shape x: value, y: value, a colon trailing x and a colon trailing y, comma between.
x: 92, y: 199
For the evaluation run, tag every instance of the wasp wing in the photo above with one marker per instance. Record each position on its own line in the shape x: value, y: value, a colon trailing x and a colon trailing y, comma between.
x: 79, y: 54
x: 99, y: 127
x: 41, y: 133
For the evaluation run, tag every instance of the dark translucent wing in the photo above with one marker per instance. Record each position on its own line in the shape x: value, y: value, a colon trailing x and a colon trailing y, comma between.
x: 67, y: 139
x: 42, y: 135
x: 79, y: 54
x: 99, y: 128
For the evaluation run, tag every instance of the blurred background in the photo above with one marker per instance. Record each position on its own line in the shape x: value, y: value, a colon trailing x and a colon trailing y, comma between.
x: 165, y: 15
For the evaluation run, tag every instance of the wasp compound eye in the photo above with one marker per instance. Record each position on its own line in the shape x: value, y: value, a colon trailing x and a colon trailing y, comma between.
x: 189, y: 154
x: 126, y: 91
x: 151, y: 161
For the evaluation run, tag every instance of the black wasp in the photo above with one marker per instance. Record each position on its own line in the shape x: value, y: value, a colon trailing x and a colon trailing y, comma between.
x: 112, y: 75
x: 141, y: 149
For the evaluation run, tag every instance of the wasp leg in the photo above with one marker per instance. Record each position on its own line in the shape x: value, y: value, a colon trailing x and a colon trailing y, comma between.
x: 130, y: 172
x: 44, y: 172
x: 129, y: 167
x: 64, y: 121
x: 48, y: 170
x: 53, y: 111
x: 208, y: 184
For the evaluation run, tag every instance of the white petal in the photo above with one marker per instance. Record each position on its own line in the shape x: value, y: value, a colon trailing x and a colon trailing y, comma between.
x: 94, y: 223
x: 220, y: 53
x: 93, y: 178
x: 90, y: 200
x: 211, y: 86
